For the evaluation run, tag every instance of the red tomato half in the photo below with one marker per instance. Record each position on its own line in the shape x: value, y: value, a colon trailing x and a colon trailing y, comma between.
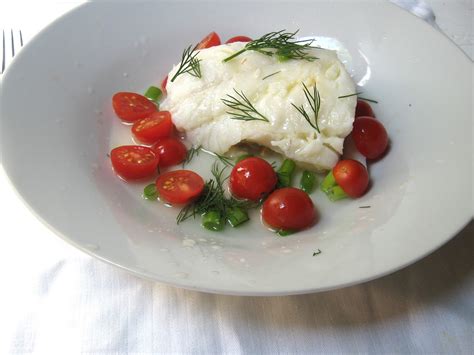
x: 171, y: 151
x: 252, y: 179
x: 363, y: 109
x: 150, y: 129
x: 289, y: 209
x: 133, y: 162
x: 211, y: 40
x: 352, y: 177
x: 130, y: 106
x: 370, y: 137
x: 239, y: 39
x: 179, y: 186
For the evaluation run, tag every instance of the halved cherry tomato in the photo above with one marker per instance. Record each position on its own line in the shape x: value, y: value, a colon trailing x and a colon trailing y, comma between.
x: 289, y: 209
x: 179, y: 186
x: 239, y: 39
x: 252, y: 178
x: 164, y: 83
x: 363, y: 109
x: 211, y: 40
x: 133, y: 162
x: 150, y: 129
x: 370, y: 137
x: 130, y: 106
x: 352, y: 177
x: 171, y: 151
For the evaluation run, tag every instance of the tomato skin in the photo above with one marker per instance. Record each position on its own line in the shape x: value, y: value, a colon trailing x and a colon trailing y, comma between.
x: 179, y: 186
x: 132, y: 162
x: 171, y: 151
x: 164, y: 83
x: 211, y: 40
x: 252, y: 178
x: 130, y: 106
x: 289, y: 209
x: 363, y: 108
x: 370, y: 137
x: 150, y: 129
x: 239, y: 39
x: 352, y: 177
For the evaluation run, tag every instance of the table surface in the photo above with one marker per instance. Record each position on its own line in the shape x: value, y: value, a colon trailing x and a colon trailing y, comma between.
x: 57, y: 300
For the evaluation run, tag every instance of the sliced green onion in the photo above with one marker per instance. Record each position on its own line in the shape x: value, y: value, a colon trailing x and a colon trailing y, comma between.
x: 236, y: 216
x: 149, y: 192
x: 285, y: 232
x: 285, y: 173
x: 243, y: 156
x: 153, y: 93
x: 336, y: 193
x: 307, y: 181
x: 332, y: 189
x: 329, y: 182
x: 212, y: 220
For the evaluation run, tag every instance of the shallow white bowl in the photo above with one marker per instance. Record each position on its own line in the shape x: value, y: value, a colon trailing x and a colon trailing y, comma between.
x: 57, y: 129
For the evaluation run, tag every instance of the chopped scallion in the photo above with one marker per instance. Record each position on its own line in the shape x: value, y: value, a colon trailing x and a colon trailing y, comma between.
x: 285, y: 173
x: 307, y: 181
x: 285, y: 232
x: 328, y: 183
x: 212, y: 220
x: 149, y: 192
x: 153, y: 93
x: 331, y: 188
x: 336, y: 193
x: 236, y: 216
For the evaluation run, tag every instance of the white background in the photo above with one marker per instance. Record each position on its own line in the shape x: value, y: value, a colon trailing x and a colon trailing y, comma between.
x: 57, y: 300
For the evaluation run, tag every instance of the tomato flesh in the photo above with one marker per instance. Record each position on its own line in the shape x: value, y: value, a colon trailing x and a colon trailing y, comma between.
x: 179, y: 186
x: 171, y: 151
x: 133, y: 162
x: 239, y: 39
x: 211, y: 40
x: 130, y: 106
x: 252, y: 179
x: 370, y: 137
x: 363, y: 108
x: 352, y: 177
x: 289, y: 209
x: 150, y: 129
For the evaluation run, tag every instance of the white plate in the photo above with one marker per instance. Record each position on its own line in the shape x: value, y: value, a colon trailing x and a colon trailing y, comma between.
x: 57, y: 122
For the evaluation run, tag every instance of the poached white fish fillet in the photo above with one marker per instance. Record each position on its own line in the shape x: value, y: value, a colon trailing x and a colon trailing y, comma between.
x: 197, y: 108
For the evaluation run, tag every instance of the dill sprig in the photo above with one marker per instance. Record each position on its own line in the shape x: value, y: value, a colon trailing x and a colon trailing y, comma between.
x: 244, y: 110
x: 361, y: 98
x: 225, y: 160
x: 282, y: 44
x: 330, y: 147
x: 350, y: 95
x: 192, y: 152
x: 317, y: 252
x: 213, y: 198
x: 314, y: 101
x: 189, y: 64
x: 369, y: 100
x: 269, y: 75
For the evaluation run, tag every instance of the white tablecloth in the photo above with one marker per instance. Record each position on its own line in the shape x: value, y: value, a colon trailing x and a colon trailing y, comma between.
x: 56, y: 300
